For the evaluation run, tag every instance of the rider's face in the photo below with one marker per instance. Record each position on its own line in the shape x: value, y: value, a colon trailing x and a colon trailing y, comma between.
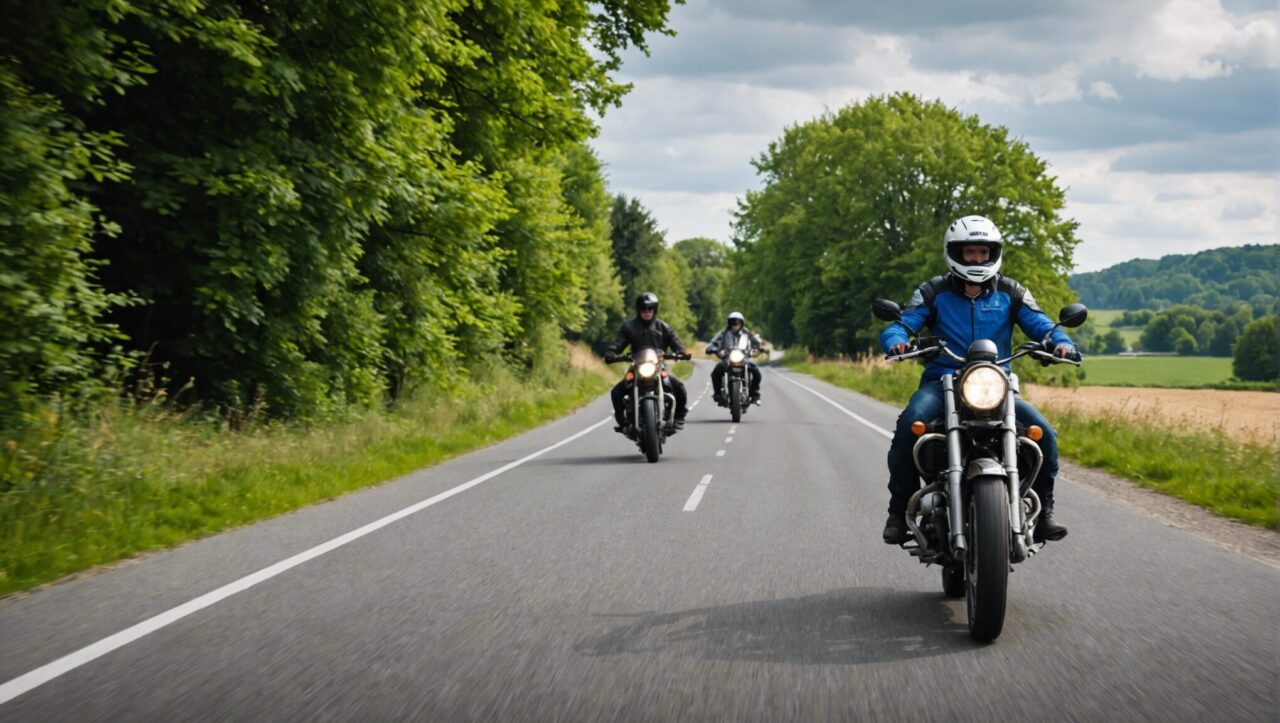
x: 647, y: 314
x: 976, y: 254
x: 735, y: 325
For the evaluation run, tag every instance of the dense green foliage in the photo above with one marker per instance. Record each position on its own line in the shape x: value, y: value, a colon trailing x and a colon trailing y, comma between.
x: 854, y: 204
x: 305, y: 205
x: 1257, y: 355
x: 1190, y: 330
x: 646, y: 263
x: 709, y: 274
x: 1212, y: 279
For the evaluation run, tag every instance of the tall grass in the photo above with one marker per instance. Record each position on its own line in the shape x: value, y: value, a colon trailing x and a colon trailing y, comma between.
x: 1235, y: 479
x: 135, y: 478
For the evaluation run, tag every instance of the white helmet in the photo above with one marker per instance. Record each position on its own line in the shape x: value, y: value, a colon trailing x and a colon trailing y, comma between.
x: 973, y: 230
x: 737, y: 316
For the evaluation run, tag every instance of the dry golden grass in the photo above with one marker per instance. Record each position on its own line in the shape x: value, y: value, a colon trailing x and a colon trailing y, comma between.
x: 1243, y: 416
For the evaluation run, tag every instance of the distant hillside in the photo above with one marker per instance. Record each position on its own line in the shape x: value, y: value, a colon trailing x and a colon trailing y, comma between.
x: 1212, y: 279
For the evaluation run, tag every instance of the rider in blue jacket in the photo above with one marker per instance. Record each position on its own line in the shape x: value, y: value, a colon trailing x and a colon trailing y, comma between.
x: 972, y: 302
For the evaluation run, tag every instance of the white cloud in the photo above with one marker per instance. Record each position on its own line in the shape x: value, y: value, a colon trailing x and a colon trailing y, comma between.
x: 1103, y: 90
x: 1113, y: 76
x: 1198, y: 39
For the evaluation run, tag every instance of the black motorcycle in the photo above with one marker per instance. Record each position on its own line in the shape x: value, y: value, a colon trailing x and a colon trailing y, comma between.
x: 977, y: 512
x: 737, y: 398
x: 650, y: 405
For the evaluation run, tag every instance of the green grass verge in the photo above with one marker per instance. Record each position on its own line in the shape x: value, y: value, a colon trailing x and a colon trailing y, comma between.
x: 142, y: 479
x: 1234, y: 479
x: 1229, y: 478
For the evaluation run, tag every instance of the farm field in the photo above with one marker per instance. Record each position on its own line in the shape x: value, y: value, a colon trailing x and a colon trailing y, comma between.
x: 1243, y: 416
x: 1104, y: 320
x: 1156, y: 371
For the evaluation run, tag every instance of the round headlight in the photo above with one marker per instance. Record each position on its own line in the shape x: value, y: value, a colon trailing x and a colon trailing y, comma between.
x: 983, y: 388
x: 647, y: 369
x: 737, y: 356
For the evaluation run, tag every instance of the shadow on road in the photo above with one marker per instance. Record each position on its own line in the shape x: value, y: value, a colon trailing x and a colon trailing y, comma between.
x: 852, y: 626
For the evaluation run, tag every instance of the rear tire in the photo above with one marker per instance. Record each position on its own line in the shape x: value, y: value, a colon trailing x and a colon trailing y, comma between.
x: 953, y: 580
x: 652, y: 445
x: 987, y: 561
x: 735, y: 399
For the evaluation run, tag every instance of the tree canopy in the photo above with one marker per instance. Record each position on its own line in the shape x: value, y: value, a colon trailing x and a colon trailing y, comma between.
x: 1213, y: 279
x: 305, y: 204
x: 854, y: 204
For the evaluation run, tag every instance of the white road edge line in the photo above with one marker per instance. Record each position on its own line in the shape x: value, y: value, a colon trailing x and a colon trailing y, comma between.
x: 45, y: 673
x: 872, y: 425
x: 698, y: 491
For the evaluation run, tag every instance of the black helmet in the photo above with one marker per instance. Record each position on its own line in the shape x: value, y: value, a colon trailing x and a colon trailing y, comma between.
x: 647, y: 300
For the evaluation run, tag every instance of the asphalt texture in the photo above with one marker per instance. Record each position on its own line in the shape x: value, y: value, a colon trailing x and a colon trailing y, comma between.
x: 577, y: 586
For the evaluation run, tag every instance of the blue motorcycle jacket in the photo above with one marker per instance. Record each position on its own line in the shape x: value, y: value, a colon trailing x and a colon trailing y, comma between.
x: 940, y: 303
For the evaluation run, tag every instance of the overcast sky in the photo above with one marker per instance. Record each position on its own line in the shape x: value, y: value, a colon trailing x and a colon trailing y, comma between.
x: 1161, y: 118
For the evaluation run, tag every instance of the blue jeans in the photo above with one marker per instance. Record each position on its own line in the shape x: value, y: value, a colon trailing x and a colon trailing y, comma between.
x: 926, y: 405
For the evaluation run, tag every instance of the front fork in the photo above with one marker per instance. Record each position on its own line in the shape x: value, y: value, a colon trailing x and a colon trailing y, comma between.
x: 1010, y: 441
x: 955, y: 471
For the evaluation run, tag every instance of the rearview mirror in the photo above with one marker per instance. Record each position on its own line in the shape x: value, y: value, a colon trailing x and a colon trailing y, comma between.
x: 1073, y: 315
x: 886, y: 310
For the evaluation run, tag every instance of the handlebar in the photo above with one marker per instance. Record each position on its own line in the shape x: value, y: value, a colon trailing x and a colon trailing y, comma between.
x: 616, y: 358
x: 1032, y: 348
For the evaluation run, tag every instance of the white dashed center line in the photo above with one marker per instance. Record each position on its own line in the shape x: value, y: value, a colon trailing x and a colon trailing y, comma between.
x: 720, y: 453
x: 698, y: 491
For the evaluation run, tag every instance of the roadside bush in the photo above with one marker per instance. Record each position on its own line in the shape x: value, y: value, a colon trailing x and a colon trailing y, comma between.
x: 1257, y: 354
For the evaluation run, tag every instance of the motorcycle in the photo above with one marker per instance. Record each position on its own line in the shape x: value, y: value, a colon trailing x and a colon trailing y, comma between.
x: 976, y: 514
x: 738, y: 397
x: 650, y: 404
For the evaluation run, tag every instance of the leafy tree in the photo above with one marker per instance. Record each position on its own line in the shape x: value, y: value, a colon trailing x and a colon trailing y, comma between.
x: 646, y: 264
x: 854, y: 203
x: 1183, y: 342
x: 1257, y: 356
x: 709, y: 273
x: 1113, y: 342
x: 316, y: 204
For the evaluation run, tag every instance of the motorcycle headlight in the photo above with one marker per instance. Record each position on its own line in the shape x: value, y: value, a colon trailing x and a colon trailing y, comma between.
x: 983, y: 388
x: 737, y: 356
x: 647, y: 369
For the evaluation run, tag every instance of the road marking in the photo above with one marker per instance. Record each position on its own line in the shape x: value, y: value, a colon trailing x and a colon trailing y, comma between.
x: 698, y: 491
x: 733, y: 430
x: 87, y: 654
x: 872, y: 425
x: 720, y: 453
x: 728, y: 440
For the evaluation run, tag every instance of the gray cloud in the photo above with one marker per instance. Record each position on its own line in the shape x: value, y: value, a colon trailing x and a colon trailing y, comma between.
x: 1243, y: 211
x: 1252, y: 152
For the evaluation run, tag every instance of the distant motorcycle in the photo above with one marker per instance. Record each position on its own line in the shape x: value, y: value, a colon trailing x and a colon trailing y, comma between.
x: 650, y: 404
x: 738, y: 389
x: 977, y: 512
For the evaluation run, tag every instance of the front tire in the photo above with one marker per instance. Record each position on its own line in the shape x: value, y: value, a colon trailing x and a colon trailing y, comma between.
x: 651, y: 444
x: 735, y: 399
x: 987, y: 561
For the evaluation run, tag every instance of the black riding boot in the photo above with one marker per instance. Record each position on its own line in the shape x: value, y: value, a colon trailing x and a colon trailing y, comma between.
x: 1047, y: 528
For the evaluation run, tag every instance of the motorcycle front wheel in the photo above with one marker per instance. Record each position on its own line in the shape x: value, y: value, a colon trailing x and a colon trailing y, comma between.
x: 735, y: 399
x: 987, y: 561
x: 649, y: 429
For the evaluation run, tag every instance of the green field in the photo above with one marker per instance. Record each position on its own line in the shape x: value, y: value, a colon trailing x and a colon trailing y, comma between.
x: 1104, y: 320
x: 1156, y: 371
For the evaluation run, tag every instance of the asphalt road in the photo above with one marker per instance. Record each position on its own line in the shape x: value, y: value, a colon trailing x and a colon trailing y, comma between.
x: 586, y: 584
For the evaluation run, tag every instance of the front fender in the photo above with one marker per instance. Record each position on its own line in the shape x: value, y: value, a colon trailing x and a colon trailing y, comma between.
x: 984, y: 467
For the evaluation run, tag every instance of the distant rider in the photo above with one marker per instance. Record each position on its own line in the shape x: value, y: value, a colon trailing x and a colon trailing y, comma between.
x: 646, y: 331
x: 729, y: 338
x: 972, y: 302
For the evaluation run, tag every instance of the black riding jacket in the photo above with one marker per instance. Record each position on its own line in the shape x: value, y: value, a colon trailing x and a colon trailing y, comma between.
x: 728, y: 339
x: 639, y: 334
